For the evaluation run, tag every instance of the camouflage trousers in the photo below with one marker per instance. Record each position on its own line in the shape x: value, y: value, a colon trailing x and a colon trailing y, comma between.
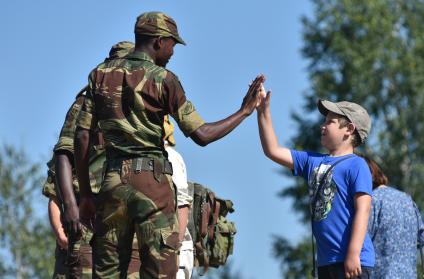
x: 130, y: 203
x: 77, y: 264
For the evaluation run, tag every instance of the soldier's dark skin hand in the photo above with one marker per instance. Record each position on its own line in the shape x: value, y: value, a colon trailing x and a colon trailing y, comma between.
x: 87, y: 207
x: 70, y: 216
x: 210, y: 132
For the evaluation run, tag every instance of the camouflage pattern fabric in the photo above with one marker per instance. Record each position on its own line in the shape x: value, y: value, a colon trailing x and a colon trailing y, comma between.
x: 129, y: 98
x: 66, y: 143
x: 120, y: 50
x: 129, y: 203
x: 60, y: 269
x: 168, y: 127
x: 157, y: 24
x: 79, y: 260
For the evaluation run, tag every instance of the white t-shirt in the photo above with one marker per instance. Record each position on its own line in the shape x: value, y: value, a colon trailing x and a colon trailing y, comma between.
x: 179, y: 177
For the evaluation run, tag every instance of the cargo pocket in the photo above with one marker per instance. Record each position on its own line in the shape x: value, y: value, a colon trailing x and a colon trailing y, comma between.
x: 168, y: 251
x: 169, y: 239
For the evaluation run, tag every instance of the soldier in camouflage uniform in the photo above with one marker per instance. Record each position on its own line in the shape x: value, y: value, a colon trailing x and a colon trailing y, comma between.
x: 77, y: 254
x: 128, y: 98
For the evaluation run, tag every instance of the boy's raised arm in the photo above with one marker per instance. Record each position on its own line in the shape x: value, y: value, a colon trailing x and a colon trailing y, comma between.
x: 359, y: 228
x: 269, y: 141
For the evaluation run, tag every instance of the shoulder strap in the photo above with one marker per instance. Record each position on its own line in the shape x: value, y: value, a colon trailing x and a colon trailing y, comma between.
x: 323, y: 178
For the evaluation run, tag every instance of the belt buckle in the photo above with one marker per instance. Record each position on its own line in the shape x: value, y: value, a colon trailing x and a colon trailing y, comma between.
x: 138, y: 165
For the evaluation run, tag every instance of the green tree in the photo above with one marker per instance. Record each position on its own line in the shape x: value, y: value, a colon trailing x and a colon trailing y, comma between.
x: 369, y: 52
x: 25, y: 236
x: 224, y: 272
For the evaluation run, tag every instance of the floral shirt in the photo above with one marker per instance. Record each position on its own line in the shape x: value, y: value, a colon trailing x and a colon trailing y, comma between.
x: 396, y: 229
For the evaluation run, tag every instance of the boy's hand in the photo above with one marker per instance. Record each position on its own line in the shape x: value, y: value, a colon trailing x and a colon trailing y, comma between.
x: 264, y: 103
x: 352, y: 266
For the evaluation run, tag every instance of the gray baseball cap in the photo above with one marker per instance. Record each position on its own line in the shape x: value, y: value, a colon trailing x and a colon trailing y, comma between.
x: 354, y: 112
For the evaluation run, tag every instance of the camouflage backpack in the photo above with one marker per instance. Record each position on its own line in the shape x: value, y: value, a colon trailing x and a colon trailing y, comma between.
x: 212, y: 233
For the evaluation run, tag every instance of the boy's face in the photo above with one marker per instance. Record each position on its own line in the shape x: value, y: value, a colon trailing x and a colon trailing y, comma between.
x: 332, y: 135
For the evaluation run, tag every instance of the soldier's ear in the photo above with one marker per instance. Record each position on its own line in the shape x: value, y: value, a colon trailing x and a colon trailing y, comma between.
x: 158, y: 43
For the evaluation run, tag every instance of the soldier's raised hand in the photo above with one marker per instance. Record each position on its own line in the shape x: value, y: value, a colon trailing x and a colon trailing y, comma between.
x: 252, y: 98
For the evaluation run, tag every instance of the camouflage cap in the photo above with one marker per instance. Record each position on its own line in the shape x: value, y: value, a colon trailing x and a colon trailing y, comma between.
x: 354, y: 112
x: 120, y: 49
x: 169, y: 131
x: 157, y: 24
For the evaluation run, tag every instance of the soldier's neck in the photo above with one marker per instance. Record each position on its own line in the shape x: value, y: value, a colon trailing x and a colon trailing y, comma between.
x: 147, y: 49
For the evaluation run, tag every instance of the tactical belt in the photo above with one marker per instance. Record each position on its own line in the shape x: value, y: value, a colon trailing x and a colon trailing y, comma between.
x: 142, y: 164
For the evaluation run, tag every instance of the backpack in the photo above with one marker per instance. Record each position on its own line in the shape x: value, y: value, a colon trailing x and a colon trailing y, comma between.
x: 212, y: 233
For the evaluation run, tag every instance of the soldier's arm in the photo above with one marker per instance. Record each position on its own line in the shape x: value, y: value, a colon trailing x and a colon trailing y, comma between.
x: 63, y: 167
x: 210, y: 132
x: 82, y: 144
x: 54, y: 217
x: 269, y: 141
x: 84, y: 124
x: 86, y: 207
x: 64, y: 158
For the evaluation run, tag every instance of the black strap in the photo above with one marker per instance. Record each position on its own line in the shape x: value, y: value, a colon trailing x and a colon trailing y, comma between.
x: 422, y: 265
x: 420, y: 248
x: 314, y: 271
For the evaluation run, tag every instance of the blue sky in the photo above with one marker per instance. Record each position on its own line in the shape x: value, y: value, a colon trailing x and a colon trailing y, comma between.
x: 49, y: 47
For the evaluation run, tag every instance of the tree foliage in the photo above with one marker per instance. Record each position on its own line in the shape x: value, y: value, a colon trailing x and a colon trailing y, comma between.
x: 371, y: 53
x: 224, y: 272
x: 25, y: 236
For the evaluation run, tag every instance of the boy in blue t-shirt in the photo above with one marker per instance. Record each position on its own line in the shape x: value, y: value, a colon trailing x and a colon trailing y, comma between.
x: 340, y: 186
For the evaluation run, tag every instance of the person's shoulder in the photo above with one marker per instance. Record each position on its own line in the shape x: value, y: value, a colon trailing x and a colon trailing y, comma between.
x: 82, y: 93
x: 171, y: 76
x: 396, y: 192
x: 356, y: 163
x: 311, y: 154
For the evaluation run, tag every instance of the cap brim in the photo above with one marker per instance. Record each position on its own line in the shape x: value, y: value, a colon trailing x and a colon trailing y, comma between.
x: 179, y: 40
x: 325, y: 106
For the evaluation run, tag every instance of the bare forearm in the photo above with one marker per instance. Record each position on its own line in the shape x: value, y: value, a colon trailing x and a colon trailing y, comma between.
x: 54, y: 217
x: 211, y: 132
x: 183, y: 220
x: 63, y: 167
x: 269, y: 141
x: 359, y: 225
x: 81, y: 147
x: 266, y: 133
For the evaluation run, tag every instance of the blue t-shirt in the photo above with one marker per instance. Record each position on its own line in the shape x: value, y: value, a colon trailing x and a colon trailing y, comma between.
x: 334, y: 210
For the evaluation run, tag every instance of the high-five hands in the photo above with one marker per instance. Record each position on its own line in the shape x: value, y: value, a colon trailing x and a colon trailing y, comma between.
x: 252, y: 98
x: 264, y: 100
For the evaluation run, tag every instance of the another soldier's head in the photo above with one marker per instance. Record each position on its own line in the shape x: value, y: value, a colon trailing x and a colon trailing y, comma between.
x: 120, y: 50
x: 158, y: 33
x: 168, y: 127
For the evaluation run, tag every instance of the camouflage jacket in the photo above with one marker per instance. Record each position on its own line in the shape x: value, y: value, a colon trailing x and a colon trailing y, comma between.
x: 128, y: 99
x: 66, y: 143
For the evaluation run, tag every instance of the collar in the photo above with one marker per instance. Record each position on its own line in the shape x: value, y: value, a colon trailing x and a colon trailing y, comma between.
x: 140, y: 55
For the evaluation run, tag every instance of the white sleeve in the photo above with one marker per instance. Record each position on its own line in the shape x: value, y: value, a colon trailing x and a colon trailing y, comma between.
x: 179, y: 177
